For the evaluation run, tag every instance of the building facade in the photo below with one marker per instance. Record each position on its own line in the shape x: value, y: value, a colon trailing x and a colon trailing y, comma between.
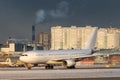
x: 69, y: 37
x: 102, y: 38
x: 77, y: 37
x: 44, y: 40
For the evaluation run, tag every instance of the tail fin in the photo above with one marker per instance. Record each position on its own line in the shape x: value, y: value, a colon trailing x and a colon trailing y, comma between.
x: 92, y: 40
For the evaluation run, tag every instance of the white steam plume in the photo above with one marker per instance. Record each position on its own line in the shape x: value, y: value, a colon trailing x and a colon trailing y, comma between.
x: 61, y: 10
x: 40, y: 16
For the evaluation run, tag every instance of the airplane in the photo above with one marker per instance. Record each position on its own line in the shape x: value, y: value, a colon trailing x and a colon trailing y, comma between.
x: 67, y: 58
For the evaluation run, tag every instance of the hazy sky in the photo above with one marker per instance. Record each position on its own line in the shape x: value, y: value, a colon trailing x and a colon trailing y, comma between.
x: 17, y: 16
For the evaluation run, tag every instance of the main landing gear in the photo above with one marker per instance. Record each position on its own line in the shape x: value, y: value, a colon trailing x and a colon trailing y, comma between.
x: 48, y: 66
x: 71, y: 67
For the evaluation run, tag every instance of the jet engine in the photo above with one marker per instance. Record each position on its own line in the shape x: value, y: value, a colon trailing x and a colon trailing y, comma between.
x: 69, y: 63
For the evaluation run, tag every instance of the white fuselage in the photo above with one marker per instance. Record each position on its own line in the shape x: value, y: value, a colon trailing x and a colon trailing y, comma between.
x: 43, y: 57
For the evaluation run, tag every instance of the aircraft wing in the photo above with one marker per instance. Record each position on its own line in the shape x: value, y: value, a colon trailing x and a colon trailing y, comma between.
x: 81, y: 57
x: 72, y: 58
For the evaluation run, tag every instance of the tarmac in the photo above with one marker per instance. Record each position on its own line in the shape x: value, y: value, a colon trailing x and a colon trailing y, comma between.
x: 61, y: 73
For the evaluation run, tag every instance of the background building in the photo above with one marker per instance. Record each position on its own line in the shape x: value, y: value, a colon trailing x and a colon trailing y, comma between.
x: 102, y: 38
x: 18, y: 46
x: 113, y: 40
x: 77, y: 37
x: 108, y: 38
x: 69, y: 37
x: 14, y: 45
x: 44, y: 40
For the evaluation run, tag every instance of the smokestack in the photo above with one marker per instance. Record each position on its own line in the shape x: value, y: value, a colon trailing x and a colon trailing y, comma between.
x: 33, y: 33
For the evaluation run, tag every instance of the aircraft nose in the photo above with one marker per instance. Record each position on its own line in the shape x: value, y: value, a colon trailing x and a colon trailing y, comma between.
x: 21, y: 58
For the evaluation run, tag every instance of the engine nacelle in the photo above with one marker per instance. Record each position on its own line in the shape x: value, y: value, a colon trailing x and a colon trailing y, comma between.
x: 69, y: 63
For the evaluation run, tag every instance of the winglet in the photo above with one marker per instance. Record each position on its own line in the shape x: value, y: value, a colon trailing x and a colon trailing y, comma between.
x: 92, y: 40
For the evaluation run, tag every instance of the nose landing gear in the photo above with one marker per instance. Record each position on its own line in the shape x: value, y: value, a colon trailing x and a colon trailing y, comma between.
x: 28, y: 66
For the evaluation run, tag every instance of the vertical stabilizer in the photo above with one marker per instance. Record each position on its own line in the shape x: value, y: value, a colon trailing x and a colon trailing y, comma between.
x: 92, y: 40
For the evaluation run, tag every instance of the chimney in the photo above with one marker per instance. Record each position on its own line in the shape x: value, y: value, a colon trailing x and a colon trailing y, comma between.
x: 33, y: 33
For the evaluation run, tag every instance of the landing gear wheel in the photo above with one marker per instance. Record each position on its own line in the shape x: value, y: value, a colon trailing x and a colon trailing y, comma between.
x: 49, y: 67
x: 71, y: 67
x: 28, y: 66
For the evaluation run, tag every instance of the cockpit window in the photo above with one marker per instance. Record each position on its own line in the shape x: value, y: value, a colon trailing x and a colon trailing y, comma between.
x: 24, y: 55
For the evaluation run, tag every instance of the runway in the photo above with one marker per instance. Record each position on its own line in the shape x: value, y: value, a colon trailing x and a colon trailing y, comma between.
x: 60, y: 73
